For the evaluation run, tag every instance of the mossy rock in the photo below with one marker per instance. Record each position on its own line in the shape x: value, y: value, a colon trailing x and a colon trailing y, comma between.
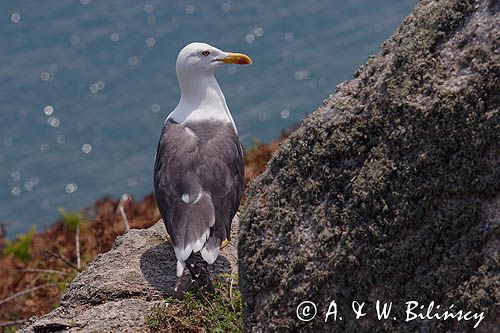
x: 390, y: 190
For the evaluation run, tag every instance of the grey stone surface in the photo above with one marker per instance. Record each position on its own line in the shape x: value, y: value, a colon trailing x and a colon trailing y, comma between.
x: 390, y: 190
x: 116, y: 291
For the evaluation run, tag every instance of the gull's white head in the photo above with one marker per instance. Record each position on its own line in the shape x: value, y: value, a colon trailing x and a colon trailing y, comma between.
x: 195, y: 67
x: 199, y: 59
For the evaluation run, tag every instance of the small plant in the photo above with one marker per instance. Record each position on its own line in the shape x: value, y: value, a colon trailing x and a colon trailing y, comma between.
x: 73, y: 221
x: 200, y: 311
x: 21, y: 247
x: 11, y: 329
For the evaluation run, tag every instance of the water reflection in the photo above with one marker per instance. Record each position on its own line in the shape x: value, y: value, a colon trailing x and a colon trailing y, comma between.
x: 86, y: 85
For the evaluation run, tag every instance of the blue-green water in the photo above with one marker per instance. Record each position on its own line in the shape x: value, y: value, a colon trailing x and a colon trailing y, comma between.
x: 85, y: 85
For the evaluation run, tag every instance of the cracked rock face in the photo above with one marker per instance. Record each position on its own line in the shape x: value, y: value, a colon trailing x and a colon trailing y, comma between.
x: 117, y: 290
x: 390, y: 190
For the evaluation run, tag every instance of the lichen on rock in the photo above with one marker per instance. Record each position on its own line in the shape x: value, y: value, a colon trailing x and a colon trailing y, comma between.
x: 391, y: 189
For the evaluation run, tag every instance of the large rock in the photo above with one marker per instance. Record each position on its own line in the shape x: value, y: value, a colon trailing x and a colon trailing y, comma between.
x: 117, y: 290
x: 390, y: 190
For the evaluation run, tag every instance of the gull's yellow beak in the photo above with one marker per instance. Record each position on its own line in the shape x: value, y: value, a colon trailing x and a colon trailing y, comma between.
x: 236, y: 58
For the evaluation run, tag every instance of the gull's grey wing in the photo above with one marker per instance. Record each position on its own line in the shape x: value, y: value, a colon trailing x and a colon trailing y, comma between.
x: 198, y: 179
x: 221, y: 172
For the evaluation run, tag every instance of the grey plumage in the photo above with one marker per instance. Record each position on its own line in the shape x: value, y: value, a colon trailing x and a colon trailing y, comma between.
x: 198, y: 180
x: 198, y: 173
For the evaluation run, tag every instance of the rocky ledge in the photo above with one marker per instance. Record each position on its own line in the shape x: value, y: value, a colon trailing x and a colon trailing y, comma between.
x: 117, y: 290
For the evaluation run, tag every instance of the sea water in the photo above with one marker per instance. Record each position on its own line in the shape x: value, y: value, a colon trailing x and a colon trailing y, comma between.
x: 85, y: 85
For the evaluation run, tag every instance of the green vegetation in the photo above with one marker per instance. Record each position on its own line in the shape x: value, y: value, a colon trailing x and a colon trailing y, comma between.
x: 21, y: 247
x: 10, y: 329
x: 73, y: 222
x: 200, y: 311
x: 71, y: 219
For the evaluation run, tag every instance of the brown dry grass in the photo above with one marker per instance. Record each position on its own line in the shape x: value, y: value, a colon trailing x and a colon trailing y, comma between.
x: 102, y: 224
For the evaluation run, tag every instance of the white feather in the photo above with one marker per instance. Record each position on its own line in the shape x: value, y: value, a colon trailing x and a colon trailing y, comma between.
x: 183, y: 254
x: 210, y: 255
x: 198, y: 198
x: 190, y: 132
x: 185, y: 198
x: 180, y: 267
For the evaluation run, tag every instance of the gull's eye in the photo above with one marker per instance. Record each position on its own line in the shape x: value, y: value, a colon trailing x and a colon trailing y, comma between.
x: 205, y: 53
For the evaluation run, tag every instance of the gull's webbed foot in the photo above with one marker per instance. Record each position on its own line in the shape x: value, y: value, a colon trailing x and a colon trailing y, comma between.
x: 184, y: 284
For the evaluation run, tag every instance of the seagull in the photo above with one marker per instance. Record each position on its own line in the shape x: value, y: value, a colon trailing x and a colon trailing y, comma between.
x: 198, y: 171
